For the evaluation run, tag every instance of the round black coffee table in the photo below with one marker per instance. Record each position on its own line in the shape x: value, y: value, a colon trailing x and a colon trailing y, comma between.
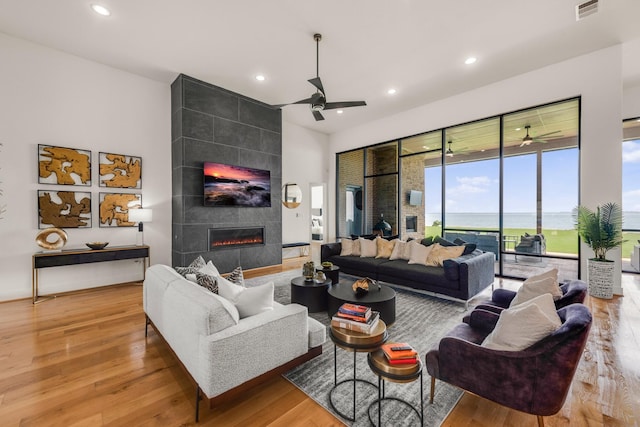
x: 382, y: 300
x: 310, y: 293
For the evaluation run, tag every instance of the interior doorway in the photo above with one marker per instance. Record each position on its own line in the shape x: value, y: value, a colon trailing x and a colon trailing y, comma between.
x: 318, y: 223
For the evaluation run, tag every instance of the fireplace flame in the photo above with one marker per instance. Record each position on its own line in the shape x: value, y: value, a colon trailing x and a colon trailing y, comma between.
x: 245, y: 241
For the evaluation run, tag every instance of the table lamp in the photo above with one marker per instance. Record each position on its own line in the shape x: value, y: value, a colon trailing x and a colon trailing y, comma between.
x: 140, y: 216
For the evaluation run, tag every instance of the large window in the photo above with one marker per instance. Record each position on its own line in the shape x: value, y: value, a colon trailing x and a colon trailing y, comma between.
x: 508, y: 183
x: 631, y: 195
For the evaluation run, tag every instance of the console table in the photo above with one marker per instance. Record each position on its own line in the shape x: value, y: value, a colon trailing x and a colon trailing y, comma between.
x: 85, y: 256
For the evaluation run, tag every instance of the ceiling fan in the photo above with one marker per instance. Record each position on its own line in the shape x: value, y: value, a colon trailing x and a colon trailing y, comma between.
x: 318, y: 101
x: 529, y: 139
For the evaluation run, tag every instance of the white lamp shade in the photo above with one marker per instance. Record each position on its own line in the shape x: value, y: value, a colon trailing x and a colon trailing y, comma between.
x: 140, y: 215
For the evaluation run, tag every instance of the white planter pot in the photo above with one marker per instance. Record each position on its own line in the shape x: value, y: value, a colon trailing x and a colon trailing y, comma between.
x: 601, y: 278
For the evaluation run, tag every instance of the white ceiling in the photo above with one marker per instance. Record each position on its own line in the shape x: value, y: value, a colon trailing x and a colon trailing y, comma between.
x: 368, y: 46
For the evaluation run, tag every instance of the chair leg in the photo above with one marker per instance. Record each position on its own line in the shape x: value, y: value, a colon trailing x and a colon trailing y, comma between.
x: 433, y: 389
x: 146, y: 325
x: 198, y: 398
x: 540, y: 421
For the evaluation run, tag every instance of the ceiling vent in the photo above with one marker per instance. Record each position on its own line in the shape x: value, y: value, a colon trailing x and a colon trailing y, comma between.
x: 585, y: 9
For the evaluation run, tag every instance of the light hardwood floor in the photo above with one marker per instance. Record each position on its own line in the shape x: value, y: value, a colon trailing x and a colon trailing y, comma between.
x: 82, y: 360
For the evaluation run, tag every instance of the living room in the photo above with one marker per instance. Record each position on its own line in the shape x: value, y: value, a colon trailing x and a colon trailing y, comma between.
x: 53, y: 97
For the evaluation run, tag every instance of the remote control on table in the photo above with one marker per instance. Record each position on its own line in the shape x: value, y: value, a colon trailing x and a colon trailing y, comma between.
x: 400, y: 348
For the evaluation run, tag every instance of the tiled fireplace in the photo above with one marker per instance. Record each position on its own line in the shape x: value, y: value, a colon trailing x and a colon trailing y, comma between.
x: 223, y: 238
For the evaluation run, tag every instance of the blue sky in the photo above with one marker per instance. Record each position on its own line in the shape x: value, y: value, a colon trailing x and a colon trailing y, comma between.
x: 474, y: 186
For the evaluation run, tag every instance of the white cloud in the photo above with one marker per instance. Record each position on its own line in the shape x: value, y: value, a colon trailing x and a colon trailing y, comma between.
x: 630, y: 152
x: 470, y: 185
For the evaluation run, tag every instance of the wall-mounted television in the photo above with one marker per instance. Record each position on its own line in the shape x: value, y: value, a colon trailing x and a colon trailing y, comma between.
x: 415, y: 197
x: 229, y: 185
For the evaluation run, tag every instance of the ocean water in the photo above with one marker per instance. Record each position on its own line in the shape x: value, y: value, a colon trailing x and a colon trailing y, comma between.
x: 550, y: 220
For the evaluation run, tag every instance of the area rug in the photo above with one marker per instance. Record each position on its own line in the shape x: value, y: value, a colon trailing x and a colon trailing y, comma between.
x: 420, y: 320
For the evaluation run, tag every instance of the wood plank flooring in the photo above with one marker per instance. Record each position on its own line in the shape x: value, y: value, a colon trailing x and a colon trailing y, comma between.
x: 82, y: 360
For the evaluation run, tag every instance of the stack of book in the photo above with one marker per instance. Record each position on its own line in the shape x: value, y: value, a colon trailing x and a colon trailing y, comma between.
x: 400, y: 353
x: 355, y: 317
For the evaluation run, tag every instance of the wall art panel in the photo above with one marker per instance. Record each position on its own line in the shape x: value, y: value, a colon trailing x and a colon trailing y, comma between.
x: 114, y: 208
x: 120, y: 171
x: 64, y: 209
x: 63, y: 166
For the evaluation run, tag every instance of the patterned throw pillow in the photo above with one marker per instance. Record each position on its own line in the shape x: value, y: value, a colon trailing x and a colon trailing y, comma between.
x: 236, y: 276
x: 207, y: 281
x: 192, y: 268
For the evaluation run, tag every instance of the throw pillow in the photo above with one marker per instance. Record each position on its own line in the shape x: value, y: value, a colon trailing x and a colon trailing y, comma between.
x: 191, y: 277
x: 192, y: 268
x: 439, y: 253
x: 356, y: 247
x: 384, y: 247
x: 210, y: 269
x: 443, y: 242
x: 521, y: 327
x: 400, y: 250
x: 207, y: 281
x: 427, y: 241
x: 368, y: 248
x: 248, y: 301
x: 346, y: 247
x: 236, y: 276
x: 530, y: 290
x: 419, y: 253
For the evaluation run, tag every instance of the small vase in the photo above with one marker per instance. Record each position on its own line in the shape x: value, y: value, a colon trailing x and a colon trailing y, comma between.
x: 320, y: 277
x: 308, y: 269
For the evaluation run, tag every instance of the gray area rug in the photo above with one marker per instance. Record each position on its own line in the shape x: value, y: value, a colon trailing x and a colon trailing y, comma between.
x: 420, y: 320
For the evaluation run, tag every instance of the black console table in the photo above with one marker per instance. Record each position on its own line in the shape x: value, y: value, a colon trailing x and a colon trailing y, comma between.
x: 85, y: 256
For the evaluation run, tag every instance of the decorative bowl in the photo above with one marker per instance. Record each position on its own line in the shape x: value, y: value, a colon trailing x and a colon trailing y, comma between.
x: 327, y: 264
x: 97, y: 245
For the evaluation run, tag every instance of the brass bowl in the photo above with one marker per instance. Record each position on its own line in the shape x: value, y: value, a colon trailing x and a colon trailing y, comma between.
x: 97, y: 245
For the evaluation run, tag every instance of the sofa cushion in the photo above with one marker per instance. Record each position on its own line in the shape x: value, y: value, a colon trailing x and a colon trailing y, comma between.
x: 207, y: 281
x: 522, y: 326
x: 384, y: 247
x: 400, y: 250
x: 427, y: 241
x: 368, y: 248
x: 248, y: 301
x: 356, y: 248
x: 439, y: 253
x: 419, y: 253
x: 417, y: 276
x: 192, y: 268
x: 346, y: 247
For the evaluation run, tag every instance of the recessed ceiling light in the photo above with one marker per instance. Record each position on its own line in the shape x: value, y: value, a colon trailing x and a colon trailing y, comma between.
x: 339, y: 111
x: 425, y: 147
x: 470, y: 60
x: 518, y: 128
x: 638, y: 120
x: 260, y: 78
x: 100, y: 10
x: 391, y: 91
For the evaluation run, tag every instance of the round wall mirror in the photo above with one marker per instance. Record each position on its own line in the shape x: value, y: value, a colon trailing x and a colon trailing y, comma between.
x: 291, y: 195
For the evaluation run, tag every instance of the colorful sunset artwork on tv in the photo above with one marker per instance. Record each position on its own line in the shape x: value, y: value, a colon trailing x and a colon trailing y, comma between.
x: 229, y: 185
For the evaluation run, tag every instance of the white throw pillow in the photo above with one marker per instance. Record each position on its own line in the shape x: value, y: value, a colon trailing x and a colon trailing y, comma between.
x: 418, y: 253
x: 356, y: 248
x: 522, y: 326
x: 399, y: 250
x: 248, y: 301
x: 368, y: 248
x: 555, y: 291
x: 533, y: 288
x: 210, y: 269
x: 347, y: 247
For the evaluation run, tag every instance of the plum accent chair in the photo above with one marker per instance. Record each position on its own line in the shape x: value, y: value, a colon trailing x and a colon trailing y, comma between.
x: 573, y: 292
x: 535, y: 380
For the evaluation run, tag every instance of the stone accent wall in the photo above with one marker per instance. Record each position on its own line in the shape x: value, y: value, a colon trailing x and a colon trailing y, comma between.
x: 412, y: 168
x: 350, y: 172
x: 216, y: 125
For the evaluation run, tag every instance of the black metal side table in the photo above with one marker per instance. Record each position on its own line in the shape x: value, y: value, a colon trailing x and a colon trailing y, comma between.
x: 355, y: 342
x: 405, y: 373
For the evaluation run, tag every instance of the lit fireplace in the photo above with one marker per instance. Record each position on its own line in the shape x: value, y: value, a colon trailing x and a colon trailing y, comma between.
x: 221, y: 238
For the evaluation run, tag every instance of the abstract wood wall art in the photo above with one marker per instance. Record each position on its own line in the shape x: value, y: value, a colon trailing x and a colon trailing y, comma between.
x: 63, y: 166
x: 120, y: 171
x: 114, y: 208
x: 64, y: 209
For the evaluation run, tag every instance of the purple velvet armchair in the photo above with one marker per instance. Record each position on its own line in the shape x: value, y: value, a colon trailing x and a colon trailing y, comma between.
x: 573, y: 291
x: 535, y: 380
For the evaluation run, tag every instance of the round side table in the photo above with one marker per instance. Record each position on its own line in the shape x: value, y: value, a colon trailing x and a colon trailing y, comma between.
x: 310, y: 293
x: 332, y: 273
x: 395, y: 373
x: 382, y: 299
x: 355, y: 342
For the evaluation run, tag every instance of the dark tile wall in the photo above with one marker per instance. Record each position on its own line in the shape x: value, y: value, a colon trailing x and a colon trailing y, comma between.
x: 213, y: 124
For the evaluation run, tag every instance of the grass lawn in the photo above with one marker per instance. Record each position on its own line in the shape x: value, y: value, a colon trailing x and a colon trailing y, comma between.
x: 558, y: 241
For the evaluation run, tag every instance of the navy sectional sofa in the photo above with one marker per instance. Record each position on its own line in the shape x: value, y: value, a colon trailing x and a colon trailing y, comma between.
x: 459, y: 279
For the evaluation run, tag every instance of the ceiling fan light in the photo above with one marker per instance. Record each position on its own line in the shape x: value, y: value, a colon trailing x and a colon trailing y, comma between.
x: 317, y: 106
x: 100, y: 10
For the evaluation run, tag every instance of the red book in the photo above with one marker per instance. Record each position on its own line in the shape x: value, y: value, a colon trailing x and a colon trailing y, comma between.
x: 351, y: 317
x: 407, y: 351
x: 409, y: 361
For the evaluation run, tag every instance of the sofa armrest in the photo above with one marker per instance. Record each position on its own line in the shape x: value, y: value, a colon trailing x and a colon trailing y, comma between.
x: 483, y: 320
x: 257, y: 344
x: 503, y: 297
x: 476, y: 273
x: 329, y: 249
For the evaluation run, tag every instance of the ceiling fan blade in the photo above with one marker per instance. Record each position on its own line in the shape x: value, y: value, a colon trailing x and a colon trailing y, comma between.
x: 546, y: 134
x: 317, y: 115
x: 317, y: 83
x: 302, y: 101
x: 333, y: 105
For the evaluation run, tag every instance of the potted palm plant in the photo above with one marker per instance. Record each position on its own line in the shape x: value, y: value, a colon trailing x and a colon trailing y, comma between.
x: 601, y: 230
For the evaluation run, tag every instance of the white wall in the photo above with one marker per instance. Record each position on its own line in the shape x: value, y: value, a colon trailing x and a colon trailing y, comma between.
x: 49, y: 97
x: 631, y: 103
x: 305, y: 154
x: 597, y: 77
